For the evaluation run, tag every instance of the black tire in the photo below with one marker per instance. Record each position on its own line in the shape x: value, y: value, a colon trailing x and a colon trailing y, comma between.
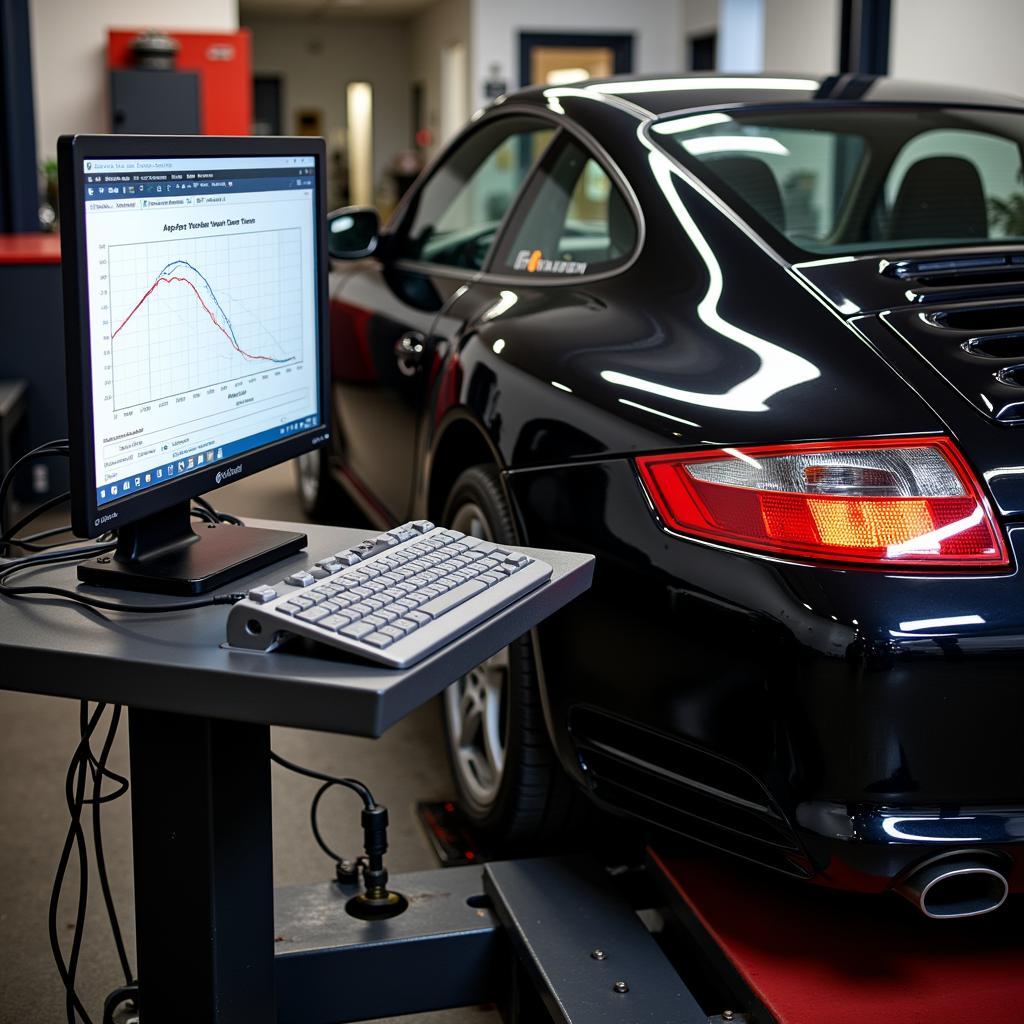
x: 323, y: 499
x: 534, y: 800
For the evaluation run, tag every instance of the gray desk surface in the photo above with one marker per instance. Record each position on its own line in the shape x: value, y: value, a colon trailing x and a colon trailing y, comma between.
x: 177, y: 661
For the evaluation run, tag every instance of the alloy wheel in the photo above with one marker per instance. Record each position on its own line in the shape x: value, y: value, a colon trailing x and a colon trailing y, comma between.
x: 308, y: 468
x: 476, y: 706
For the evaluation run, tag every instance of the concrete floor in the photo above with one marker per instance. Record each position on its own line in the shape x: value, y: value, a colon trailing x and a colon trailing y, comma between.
x: 37, y: 737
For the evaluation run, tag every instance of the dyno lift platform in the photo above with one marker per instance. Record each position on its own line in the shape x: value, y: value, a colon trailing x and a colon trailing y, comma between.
x: 561, y: 940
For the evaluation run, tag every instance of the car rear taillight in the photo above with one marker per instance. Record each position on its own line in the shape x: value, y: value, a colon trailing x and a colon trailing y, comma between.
x: 907, y: 502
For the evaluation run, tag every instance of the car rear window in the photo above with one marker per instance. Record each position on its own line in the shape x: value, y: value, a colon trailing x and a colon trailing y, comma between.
x: 834, y: 181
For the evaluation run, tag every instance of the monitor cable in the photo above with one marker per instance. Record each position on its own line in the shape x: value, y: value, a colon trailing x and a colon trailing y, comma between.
x: 375, y: 901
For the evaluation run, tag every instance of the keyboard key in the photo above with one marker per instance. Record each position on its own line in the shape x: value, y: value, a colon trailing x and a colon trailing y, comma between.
x: 376, y: 621
x: 417, y: 617
x: 391, y: 631
x: 454, y: 597
x: 288, y: 607
x: 347, y: 557
x: 361, y: 592
x: 302, y: 600
x: 452, y: 535
x: 405, y: 605
x: 331, y: 564
x: 360, y: 609
x: 318, y: 573
x: 376, y: 602
x: 405, y: 625
x: 313, y: 614
x: 300, y: 579
x: 380, y: 639
x: 261, y: 595
x: 335, y: 622
x: 490, y: 578
x: 422, y: 525
x: 357, y: 630
x: 517, y: 558
x: 376, y: 586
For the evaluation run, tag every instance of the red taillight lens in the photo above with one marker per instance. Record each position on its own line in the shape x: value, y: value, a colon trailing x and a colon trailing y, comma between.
x: 906, y: 502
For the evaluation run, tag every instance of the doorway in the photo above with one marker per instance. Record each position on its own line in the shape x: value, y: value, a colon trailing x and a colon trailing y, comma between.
x: 556, y: 58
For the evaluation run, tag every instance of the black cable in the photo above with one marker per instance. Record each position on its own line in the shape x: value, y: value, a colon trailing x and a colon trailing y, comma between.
x: 30, y: 543
x: 33, y: 561
x: 59, y: 447
x: 59, y: 499
x: 354, y: 784
x: 86, y: 729
x: 314, y: 825
x: 99, y: 771
x: 74, y: 837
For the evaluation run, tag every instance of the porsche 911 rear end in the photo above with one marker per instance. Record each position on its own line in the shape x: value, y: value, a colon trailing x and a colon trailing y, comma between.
x: 815, y: 572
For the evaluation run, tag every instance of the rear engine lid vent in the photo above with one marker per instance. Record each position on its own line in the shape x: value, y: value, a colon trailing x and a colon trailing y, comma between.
x: 978, y: 349
x: 967, y: 277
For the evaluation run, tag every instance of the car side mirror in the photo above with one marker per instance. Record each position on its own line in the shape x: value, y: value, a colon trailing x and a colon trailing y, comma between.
x: 352, y: 232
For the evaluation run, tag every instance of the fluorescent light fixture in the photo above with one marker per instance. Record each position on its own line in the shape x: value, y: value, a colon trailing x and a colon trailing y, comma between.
x: 734, y: 144
x: 499, y: 346
x: 561, y: 387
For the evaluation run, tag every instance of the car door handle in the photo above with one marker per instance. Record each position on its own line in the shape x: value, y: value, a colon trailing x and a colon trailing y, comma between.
x: 410, y: 350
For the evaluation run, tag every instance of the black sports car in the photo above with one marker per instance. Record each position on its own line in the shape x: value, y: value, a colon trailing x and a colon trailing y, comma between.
x: 758, y: 343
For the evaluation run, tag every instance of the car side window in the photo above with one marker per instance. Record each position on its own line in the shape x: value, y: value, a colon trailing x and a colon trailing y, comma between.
x: 459, y: 210
x: 572, y: 219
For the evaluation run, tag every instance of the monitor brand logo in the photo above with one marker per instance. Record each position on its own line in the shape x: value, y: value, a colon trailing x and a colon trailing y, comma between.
x: 106, y: 518
x: 227, y: 474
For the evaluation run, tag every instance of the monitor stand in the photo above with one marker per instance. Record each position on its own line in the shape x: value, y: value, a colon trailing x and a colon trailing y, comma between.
x: 163, y: 554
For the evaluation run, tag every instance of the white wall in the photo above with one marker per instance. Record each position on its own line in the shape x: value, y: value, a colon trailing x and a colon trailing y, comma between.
x: 317, y: 58
x: 656, y: 27
x: 976, y: 44
x: 69, y: 52
x: 802, y: 35
x: 700, y: 17
x: 445, y: 23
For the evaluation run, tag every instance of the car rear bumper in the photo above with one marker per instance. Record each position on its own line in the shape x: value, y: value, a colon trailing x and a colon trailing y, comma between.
x: 821, y: 721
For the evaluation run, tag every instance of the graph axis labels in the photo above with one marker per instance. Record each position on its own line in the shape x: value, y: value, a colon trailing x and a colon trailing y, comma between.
x: 191, y: 314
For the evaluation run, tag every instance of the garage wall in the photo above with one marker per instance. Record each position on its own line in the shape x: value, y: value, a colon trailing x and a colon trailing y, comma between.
x: 444, y: 24
x: 976, y: 43
x: 802, y: 35
x: 656, y: 27
x: 317, y: 58
x: 69, y: 43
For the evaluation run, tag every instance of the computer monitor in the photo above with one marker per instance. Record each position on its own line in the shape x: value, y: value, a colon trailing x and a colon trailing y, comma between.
x: 195, y: 307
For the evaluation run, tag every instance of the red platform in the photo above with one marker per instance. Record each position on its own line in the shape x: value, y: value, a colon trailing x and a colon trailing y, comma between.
x: 811, y: 955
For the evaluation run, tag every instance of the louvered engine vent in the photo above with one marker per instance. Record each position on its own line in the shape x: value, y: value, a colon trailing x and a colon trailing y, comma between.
x: 979, y: 349
x: 989, y: 275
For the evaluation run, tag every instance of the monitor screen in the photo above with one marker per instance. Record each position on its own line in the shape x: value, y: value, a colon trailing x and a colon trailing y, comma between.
x: 201, y: 295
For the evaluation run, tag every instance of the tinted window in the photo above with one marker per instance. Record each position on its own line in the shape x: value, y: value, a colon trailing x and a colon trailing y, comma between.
x: 572, y: 219
x: 836, y: 181
x: 459, y: 210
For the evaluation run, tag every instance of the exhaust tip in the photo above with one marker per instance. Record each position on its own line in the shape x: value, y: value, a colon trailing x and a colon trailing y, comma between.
x: 956, y: 886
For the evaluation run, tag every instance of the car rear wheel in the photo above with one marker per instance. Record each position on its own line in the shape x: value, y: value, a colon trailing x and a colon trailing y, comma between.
x: 322, y: 497
x: 507, y: 777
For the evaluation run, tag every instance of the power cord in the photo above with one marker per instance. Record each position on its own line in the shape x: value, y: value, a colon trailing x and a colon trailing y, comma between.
x: 85, y: 765
x: 375, y: 901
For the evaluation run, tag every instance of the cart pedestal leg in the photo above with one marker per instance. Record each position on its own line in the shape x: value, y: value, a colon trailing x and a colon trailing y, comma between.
x: 201, y: 830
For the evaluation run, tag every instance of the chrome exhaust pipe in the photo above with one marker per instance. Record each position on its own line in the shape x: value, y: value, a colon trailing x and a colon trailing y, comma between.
x: 963, y: 884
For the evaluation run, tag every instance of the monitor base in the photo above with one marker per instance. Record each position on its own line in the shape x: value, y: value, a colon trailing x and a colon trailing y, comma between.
x: 163, y: 554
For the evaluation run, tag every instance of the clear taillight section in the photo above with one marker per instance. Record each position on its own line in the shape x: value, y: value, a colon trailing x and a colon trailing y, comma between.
x: 907, y: 502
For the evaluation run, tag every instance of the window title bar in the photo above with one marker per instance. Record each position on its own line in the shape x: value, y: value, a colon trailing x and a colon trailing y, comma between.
x: 219, y: 163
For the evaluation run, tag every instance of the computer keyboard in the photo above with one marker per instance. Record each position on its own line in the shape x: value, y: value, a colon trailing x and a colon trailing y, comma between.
x: 392, y: 599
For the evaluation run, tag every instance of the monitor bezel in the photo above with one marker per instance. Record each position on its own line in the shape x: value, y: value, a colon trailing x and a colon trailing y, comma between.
x: 88, y: 519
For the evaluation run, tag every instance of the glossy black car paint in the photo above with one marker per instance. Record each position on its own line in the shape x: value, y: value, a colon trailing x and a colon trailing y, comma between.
x: 793, y: 714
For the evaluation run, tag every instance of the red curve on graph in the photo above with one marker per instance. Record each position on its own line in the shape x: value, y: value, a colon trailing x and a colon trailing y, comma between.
x: 199, y: 298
